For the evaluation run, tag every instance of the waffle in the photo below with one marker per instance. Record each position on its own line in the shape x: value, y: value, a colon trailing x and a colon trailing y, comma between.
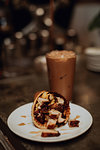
x: 50, y: 110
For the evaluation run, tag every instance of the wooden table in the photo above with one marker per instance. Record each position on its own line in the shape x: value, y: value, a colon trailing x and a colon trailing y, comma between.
x: 15, y: 92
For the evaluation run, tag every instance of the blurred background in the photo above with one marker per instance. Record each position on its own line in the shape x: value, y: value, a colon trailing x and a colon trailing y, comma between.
x: 31, y: 28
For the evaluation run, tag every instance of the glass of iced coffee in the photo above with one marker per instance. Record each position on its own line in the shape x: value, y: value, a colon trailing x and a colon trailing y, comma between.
x: 61, y: 69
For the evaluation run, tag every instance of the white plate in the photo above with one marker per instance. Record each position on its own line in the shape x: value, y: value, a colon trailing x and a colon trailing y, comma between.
x: 23, y: 115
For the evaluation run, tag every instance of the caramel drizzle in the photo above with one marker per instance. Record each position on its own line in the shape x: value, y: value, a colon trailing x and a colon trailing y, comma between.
x: 77, y: 117
x: 21, y: 124
x: 34, y: 132
x: 37, y: 133
x: 23, y: 116
x: 65, y: 133
x: 65, y: 129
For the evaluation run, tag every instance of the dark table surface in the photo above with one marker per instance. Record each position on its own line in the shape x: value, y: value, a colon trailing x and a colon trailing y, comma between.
x: 17, y: 91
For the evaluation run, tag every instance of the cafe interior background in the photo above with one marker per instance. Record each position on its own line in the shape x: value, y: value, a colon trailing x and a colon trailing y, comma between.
x: 31, y: 28
x: 28, y: 30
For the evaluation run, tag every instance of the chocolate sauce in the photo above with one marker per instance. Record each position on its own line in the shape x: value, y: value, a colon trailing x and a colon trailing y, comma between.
x: 74, y: 123
x: 51, y: 127
x: 53, y: 116
x: 41, y: 118
x: 60, y: 124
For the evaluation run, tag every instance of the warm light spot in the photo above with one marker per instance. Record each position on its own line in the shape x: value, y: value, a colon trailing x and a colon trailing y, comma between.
x: 47, y: 21
x: 40, y: 11
x: 18, y: 35
x: 32, y: 36
x: 45, y: 33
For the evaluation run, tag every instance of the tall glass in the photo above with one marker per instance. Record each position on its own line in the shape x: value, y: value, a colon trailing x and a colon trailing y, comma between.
x: 61, y: 69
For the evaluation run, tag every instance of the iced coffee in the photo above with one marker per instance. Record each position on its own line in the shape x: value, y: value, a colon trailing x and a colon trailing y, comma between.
x: 61, y: 69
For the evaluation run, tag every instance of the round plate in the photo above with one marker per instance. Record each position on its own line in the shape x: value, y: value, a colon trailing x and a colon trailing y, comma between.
x: 20, y: 123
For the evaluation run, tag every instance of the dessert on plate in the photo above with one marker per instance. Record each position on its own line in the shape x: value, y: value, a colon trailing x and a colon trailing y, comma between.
x: 50, y: 110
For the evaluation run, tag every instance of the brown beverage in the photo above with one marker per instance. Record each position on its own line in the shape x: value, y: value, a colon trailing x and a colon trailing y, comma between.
x: 61, y: 68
